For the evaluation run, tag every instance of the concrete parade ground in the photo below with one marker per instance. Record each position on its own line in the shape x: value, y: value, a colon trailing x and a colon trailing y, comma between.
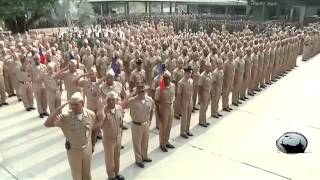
x: 240, y: 145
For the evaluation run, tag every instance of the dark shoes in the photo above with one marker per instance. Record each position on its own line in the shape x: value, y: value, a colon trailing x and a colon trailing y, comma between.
x: 189, y: 134
x: 235, y: 104
x: 4, y: 104
x: 226, y: 109
x: 215, y: 116
x: 163, y: 148
x: 119, y: 177
x: 184, y: 136
x: 140, y: 164
x: 177, y: 117
x: 124, y: 127
x: 203, y: 125
x: 30, y: 108
x: 147, y: 160
x: 195, y: 108
x: 170, y: 146
x: 43, y: 114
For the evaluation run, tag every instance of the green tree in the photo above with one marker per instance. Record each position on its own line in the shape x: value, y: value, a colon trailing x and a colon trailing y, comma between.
x: 18, y: 15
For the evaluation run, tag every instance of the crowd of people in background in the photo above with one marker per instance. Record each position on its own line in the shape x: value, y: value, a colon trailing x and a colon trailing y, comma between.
x: 167, y: 68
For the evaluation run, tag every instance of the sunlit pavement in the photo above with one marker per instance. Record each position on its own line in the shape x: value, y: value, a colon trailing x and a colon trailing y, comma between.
x: 241, y: 145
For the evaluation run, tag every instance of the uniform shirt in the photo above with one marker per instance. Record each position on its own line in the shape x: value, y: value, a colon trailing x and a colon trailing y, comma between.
x: 177, y: 75
x: 205, y: 81
x: 247, y: 67
x: 102, y: 64
x: 69, y: 80
x: 167, y: 96
x: 77, y: 131
x: 185, y: 89
x: 170, y: 64
x: 141, y: 111
x: 229, y: 70
x: 116, y: 87
x: 88, y: 61
x: 239, y: 70
x: 137, y: 76
x: 217, y: 81
x: 195, y: 72
x: 37, y: 73
x: 112, y: 122
x: 50, y: 83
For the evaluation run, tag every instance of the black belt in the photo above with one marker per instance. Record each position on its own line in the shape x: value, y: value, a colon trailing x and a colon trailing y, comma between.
x: 68, y: 146
x: 140, y: 123
x: 25, y: 82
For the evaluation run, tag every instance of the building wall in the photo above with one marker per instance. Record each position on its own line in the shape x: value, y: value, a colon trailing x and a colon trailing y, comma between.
x: 312, y: 10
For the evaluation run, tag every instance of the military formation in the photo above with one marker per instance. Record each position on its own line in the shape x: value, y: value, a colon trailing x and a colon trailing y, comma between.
x: 150, y: 69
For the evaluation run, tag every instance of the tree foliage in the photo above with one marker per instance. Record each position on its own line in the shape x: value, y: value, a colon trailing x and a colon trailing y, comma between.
x: 19, y: 14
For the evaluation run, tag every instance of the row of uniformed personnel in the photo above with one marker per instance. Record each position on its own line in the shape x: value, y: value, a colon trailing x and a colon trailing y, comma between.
x: 198, y: 64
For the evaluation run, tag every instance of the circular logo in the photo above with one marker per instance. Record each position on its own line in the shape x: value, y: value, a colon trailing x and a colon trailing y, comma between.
x: 292, y: 143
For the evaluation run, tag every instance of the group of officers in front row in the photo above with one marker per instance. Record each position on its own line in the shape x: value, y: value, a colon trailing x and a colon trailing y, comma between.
x: 206, y: 70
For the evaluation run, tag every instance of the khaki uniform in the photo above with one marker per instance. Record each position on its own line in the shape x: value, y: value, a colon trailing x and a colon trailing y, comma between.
x: 2, y: 85
x: 271, y: 64
x: 216, y: 90
x: 53, y: 92
x: 267, y: 56
x: 24, y: 78
x: 260, y: 70
x: 88, y: 62
x: 8, y: 67
x: 39, y: 90
x: 91, y: 94
x: 116, y: 87
x: 147, y: 66
x: 126, y: 61
x: 154, y: 85
x: 77, y: 131
x: 141, y: 113
x: 229, y: 70
x: 254, y: 73
x: 205, y: 86
x: 137, y: 77
x: 238, y: 79
x: 185, y: 90
x: 69, y: 80
x: 276, y: 63
x: 170, y: 64
x: 246, y: 75
x: 102, y: 65
x: 177, y: 75
x: 195, y: 77
x: 165, y: 99
x: 112, y: 134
